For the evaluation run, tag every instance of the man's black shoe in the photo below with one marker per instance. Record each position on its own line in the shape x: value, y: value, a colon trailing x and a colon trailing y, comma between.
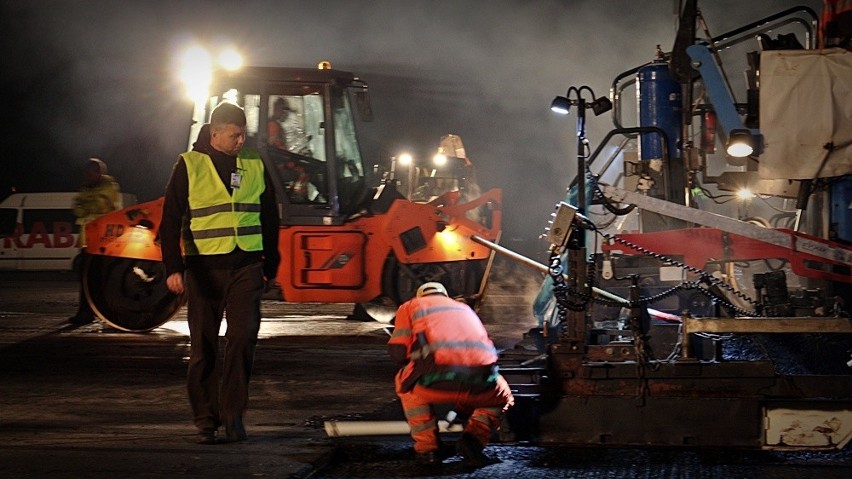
x: 80, y: 319
x: 471, y: 451
x: 235, y: 432
x: 428, y: 458
x: 206, y: 436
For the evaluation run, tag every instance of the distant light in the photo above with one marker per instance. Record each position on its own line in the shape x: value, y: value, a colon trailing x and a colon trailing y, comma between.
x: 406, y: 159
x: 231, y: 59
x: 745, y: 194
x: 439, y: 159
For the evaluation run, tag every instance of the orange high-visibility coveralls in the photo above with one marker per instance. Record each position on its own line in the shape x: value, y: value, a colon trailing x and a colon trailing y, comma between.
x: 450, y: 360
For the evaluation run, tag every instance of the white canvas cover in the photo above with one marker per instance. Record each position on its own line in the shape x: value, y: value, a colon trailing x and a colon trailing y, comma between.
x: 805, y: 103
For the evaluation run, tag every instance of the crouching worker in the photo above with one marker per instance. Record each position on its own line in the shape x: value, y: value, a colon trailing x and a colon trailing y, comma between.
x: 446, y: 357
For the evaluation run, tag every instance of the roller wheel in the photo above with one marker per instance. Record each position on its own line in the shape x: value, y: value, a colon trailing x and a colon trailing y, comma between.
x: 400, y: 282
x: 129, y: 294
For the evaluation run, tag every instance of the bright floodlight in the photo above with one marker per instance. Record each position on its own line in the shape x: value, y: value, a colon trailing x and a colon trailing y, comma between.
x: 740, y: 143
x: 405, y: 159
x: 196, y: 72
x: 439, y: 159
x: 230, y: 59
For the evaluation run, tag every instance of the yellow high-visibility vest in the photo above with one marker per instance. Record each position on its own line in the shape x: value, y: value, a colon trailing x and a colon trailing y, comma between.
x: 220, y: 221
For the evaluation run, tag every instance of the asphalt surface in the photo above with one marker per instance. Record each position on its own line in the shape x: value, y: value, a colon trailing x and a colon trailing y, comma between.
x: 90, y: 401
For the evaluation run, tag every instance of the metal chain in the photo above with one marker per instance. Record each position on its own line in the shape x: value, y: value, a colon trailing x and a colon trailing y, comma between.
x: 704, y: 276
x: 561, y: 290
x: 598, y: 194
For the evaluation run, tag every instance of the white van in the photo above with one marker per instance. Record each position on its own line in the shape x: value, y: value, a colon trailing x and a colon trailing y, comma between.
x: 39, y: 231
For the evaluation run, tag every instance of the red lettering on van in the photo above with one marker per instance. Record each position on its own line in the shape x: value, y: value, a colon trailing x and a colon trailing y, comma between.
x: 15, y: 237
x: 38, y: 235
x: 62, y: 236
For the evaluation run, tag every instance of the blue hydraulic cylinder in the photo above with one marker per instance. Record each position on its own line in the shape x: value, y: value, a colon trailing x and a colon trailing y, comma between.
x: 660, y: 105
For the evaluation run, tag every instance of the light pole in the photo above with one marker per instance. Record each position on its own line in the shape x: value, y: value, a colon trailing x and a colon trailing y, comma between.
x: 562, y: 105
x: 576, y: 318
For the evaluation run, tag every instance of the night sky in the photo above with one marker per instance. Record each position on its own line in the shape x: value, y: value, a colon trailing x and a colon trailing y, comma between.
x: 83, y: 78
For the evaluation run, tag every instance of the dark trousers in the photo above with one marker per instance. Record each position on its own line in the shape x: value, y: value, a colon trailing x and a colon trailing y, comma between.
x: 417, y: 405
x: 83, y: 307
x: 218, y: 392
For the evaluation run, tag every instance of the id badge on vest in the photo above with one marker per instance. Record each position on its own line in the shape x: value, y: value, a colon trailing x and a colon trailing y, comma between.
x: 236, y: 179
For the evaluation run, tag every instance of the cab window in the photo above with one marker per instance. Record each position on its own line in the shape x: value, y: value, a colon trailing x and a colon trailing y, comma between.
x: 295, y: 144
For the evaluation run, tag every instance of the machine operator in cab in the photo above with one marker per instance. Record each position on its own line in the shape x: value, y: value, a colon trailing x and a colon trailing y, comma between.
x: 221, y: 203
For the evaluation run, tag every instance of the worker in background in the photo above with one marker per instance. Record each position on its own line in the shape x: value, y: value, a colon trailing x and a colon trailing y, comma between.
x: 280, y: 135
x: 275, y: 135
x: 285, y: 129
x: 99, y: 195
x: 446, y: 357
x: 225, y: 200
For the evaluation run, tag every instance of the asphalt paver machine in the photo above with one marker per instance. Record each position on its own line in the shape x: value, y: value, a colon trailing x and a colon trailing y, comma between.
x: 677, y: 310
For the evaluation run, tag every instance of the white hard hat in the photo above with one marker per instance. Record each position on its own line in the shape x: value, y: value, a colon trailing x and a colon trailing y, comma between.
x: 431, y: 288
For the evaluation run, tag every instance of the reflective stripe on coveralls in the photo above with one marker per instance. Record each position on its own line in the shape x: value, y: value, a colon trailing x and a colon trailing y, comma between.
x: 451, y: 338
x: 448, y: 335
x: 219, y: 220
x: 484, y: 407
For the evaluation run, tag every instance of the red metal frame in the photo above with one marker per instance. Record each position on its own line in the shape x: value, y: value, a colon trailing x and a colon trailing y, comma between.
x: 699, y: 246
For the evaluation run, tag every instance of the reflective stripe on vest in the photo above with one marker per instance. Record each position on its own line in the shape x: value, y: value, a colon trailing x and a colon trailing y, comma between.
x: 221, y: 221
x: 451, y: 333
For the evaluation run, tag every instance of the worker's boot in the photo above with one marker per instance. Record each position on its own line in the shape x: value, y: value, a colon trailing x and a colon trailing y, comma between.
x: 445, y: 451
x: 428, y: 458
x: 471, y: 451
x: 206, y: 436
x: 235, y: 431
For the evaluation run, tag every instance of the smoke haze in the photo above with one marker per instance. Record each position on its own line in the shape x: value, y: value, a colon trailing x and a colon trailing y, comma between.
x: 92, y: 78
